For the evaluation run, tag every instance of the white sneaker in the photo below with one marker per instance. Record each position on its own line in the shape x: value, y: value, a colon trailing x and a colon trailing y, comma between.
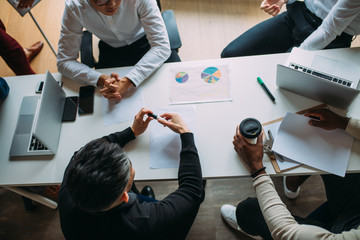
x: 288, y: 193
x: 228, y: 212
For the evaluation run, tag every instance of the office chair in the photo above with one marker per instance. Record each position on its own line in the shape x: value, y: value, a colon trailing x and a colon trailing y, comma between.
x: 86, y: 51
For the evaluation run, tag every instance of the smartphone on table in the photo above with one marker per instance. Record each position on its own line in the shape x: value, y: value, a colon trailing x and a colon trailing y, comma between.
x: 86, y: 99
x: 70, y: 109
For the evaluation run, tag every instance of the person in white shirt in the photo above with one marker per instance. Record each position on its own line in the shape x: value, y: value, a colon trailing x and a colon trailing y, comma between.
x: 310, y: 25
x: 267, y: 216
x: 131, y: 33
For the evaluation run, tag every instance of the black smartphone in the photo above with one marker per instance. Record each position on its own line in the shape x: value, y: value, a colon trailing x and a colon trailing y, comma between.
x: 86, y: 99
x: 70, y: 109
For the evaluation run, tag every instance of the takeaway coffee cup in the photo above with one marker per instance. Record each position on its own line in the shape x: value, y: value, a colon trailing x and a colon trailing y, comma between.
x: 250, y: 129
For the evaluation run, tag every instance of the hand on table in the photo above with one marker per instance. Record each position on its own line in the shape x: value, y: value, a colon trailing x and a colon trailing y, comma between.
x: 174, y: 122
x: 272, y: 7
x: 252, y: 154
x: 327, y: 119
x: 139, y: 125
x: 115, y: 87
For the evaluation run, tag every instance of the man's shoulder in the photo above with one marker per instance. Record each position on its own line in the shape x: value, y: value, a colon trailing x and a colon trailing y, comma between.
x: 76, y: 4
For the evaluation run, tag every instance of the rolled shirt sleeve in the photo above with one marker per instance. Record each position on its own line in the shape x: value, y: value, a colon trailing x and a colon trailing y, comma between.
x: 157, y: 36
x: 344, y: 16
x: 69, y: 48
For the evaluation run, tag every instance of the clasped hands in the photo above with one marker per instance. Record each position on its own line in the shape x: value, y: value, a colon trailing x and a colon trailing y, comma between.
x: 114, y: 87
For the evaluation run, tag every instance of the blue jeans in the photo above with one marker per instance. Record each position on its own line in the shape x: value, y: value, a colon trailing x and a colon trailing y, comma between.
x: 280, y: 34
x: 341, y: 211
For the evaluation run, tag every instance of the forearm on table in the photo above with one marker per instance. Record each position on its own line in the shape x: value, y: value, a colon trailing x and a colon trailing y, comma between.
x: 79, y: 72
x: 147, y: 65
x: 121, y: 138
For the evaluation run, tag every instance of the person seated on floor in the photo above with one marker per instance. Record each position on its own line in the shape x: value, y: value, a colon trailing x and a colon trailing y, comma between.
x: 95, y: 201
x: 15, y: 56
x: 267, y: 216
x: 310, y: 24
x: 132, y: 33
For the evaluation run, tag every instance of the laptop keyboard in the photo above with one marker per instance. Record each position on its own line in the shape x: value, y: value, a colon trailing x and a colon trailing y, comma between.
x: 36, y: 145
x: 330, y: 78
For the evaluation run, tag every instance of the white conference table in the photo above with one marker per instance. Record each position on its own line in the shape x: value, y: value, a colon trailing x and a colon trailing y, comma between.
x: 216, y: 122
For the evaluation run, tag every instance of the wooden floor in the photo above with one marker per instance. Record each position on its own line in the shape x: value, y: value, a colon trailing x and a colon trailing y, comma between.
x: 206, y: 27
x: 43, y: 223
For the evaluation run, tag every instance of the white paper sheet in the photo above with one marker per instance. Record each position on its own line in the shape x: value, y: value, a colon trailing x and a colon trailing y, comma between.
x: 283, y: 162
x: 165, y: 145
x: 115, y: 112
x: 200, y: 84
x: 327, y: 150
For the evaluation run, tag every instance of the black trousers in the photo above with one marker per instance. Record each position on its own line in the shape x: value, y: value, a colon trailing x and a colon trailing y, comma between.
x: 280, y: 34
x: 128, y: 55
x: 341, y: 211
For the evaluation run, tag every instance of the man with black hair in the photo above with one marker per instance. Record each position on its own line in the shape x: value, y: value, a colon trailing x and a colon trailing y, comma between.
x: 96, y: 201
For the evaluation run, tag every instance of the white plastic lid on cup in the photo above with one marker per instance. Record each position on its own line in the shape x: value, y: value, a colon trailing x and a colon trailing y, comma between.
x: 250, y: 129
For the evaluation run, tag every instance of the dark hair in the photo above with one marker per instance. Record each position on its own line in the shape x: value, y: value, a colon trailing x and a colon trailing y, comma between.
x: 97, y: 175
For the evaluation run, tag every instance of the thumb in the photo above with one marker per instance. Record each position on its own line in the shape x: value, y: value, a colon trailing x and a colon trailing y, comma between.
x: 114, y: 75
x: 264, y: 4
x: 163, y: 121
x: 260, y: 139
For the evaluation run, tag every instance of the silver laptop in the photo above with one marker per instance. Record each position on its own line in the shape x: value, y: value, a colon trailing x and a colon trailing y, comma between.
x: 39, y: 123
x: 328, y: 80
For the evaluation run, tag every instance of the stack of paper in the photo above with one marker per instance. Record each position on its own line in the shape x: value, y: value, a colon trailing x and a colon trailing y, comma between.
x: 326, y: 150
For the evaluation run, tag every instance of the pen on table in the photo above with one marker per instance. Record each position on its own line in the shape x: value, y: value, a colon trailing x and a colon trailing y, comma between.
x: 266, y: 89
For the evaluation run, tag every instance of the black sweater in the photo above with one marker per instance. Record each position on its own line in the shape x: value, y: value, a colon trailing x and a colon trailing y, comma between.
x: 170, y: 218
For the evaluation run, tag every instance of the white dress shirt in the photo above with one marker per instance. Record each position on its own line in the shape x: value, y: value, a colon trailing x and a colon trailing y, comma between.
x: 133, y: 20
x: 338, y: 16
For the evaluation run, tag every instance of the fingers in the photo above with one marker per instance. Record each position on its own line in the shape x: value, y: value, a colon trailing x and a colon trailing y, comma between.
x: 237, y: 132
x: 274, y: 11
x: 168, y: 116
x: 110, y: 90
x: 318, y: 111
x: 316, y: 115
x: 315, y: 123
x: 110, y: 95
x: 260, y: 139
x: 164, y: 122
x: 144, y: 111
x: 264, y: 5
x: 116, y: 76
x: 113, y: 88
x: 165, y: 119
x: 314, y: 112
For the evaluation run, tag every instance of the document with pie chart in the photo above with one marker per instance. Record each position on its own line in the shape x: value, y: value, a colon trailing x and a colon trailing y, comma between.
x: 199, y: 84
